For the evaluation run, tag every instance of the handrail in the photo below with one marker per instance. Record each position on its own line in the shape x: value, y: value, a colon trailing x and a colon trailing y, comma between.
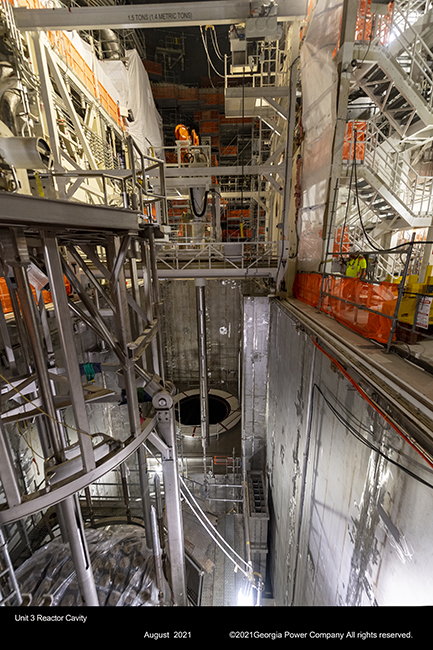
x: 390, y: 163
x: 246, y: 255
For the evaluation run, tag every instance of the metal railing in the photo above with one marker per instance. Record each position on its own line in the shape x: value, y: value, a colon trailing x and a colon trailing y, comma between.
x: 144, y: 194
x: 377, y: 150
x: 185, y: 154
x: 412, y: 52
x: 245, y: 256
x: 395, y: 32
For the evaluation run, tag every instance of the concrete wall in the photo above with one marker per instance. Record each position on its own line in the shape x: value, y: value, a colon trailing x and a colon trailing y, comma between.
x: 348, y: 527
x: 223, y: 331
x: 254, y: 381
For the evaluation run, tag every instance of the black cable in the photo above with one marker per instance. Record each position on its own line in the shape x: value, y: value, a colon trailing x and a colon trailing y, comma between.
x: 202, y: 213
x: 349, y: 427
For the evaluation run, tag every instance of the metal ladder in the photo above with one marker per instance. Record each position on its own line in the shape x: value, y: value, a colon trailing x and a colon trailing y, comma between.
x: 10, y: 594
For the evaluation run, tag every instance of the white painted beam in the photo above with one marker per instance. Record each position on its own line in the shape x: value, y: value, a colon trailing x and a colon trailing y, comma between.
x: 173, y: 14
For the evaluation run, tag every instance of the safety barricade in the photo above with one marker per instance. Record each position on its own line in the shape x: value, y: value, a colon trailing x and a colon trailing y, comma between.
x: 366, y: 308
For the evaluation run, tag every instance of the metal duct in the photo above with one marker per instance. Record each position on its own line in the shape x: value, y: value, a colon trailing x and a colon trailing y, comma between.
x: 26, y: 153
x: 110, y: 44
x: 10, y: 96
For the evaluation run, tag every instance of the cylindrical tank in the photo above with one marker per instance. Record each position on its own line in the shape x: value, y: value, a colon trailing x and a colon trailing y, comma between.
x: 26, y: 153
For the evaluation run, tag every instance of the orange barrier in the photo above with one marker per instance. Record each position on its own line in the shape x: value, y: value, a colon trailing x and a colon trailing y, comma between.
x: 5, y: 298
x: 381, y: 297
x: 364, y: 23
x: 359, y: 128
x: 340, y: 247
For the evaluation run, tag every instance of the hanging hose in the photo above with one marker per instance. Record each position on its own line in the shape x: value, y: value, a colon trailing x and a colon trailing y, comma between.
x: 202, y: 213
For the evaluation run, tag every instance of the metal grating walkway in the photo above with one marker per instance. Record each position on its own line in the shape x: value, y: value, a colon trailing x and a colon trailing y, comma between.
x: 220, y: 587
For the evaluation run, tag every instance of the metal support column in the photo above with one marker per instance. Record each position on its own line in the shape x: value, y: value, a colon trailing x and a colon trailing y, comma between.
x: 27, y: 306
x: 156, y: 299
x: 149, y: 306
x: 200, y: 284
x: 66, y: 335
x: 70, y: 514
x: 8, y: 476
x: 163, y: 404
x: 345, y: 58
x: 80, y: 555
x: 291, y: 121
x: 124, y: 336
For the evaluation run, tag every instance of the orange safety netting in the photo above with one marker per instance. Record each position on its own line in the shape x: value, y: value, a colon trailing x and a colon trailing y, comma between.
x: 6, y: 302
x: 359, y: 128
x: 341, y: 246
x: 366, y: 22
x: 381, y: 297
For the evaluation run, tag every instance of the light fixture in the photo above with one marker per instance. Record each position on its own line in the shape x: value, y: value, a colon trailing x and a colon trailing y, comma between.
x: 245, y: 595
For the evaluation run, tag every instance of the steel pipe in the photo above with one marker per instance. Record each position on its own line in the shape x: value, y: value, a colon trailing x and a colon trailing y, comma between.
x: 200, y: 285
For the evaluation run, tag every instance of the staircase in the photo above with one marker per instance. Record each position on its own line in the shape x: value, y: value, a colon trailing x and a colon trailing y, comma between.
x: 387, y: 183
x: 394, y: 92
x: 396, y: 75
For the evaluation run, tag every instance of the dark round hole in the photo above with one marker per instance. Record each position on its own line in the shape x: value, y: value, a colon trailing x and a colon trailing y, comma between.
x: 188, y: 410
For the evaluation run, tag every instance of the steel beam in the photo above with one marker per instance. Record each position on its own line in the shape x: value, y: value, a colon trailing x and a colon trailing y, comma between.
x: 222, y: 12
x: 233, y: 273
x: 235, y: 170
x: 22, y: 209
x: 27, y: 306
x: 66, y: 334
x: 200, y: 286
x: 163, y: 404
x: 115, y: 251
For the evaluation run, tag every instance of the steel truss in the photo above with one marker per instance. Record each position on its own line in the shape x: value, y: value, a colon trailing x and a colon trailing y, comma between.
x: 37, y: 388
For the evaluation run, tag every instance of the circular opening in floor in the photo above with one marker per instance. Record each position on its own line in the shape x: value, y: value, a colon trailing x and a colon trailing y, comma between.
x: 188, y: 410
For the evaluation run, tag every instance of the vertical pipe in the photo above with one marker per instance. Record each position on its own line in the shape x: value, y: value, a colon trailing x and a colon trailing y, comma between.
x: 159, y: 510
x: 145, y: 493
x: 200, y: 284
x: 156, y: 299
x: 163, y: 404
x: 80, y: 554
x: 125, y: 490
x: 149, y: 307
x: 159, y: 575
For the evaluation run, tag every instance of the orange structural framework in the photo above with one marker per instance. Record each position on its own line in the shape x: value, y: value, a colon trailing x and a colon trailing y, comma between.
x: 348, y: 301
x: 6, y: 301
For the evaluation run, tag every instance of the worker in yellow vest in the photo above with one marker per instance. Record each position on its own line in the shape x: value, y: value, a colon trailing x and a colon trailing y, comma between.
x: 356, y: 266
